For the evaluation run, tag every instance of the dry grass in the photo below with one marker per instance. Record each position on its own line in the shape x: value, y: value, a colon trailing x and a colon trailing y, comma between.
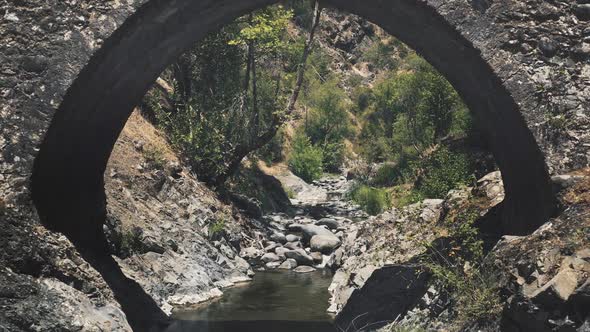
x: 125, y: 157
x: 579, y: 193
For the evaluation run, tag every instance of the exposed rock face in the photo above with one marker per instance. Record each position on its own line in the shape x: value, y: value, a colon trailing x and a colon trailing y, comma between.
x: 538, y: 50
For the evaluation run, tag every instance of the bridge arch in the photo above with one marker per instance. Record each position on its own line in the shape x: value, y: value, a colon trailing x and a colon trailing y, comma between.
x: 67, y: 182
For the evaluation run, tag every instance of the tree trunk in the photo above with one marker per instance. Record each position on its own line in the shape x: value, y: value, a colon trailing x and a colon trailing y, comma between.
x: 306, y: 52
x: 255, y: 113
x: 258, y: 141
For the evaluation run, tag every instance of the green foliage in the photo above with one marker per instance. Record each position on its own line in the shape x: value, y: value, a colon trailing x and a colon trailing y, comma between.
x: 381, y: 55
x: 408, y: 197
x: 371, y: 200
x: 290, y: 193
x: 265, y: 28
x: 443, y: 171
x: 386, y: 176
x: 272, y: 152
x: 154, y: 157
x: 462, y: 270
x: 216, y: 228
x: 362, y: 97
x: 305, y: 160
x: 328, y: 120
x: 333, y: 157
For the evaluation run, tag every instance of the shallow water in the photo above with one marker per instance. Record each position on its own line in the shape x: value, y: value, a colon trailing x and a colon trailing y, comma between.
x: 271, y: 296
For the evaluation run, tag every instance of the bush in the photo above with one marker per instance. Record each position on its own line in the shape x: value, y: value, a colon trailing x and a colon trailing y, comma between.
x: 333, y: 157
x: 305, y: 160
x: 217, y: 228
x: 272, y: 152
x: 371, y: 200
x: 462, y: 270
x: 445, y: 170
x: 405, y: 195
x: 386, y: 176
x: 154, y: 157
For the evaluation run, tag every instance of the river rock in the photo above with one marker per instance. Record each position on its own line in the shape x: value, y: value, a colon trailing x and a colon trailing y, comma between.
x: 304, y: 269
x: 280, y: 251
x: 293, y: 245
x: 250, y: 253
x: 272, y: 265
x: 279, y: 237
x: 270, y: 257
x: 271, y: 247
x: 328, y: 222
x: 300, y: 256
x: 317, y: 257
x: 288, y: 264
x: 309, y: 231
x: 324, y: 243
x: 292, y: 238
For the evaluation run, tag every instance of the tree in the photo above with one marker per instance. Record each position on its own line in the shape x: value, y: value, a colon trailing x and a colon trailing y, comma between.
x: 277, y: 118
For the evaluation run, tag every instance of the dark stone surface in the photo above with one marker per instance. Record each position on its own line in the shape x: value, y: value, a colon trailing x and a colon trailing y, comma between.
x: 62, y: 64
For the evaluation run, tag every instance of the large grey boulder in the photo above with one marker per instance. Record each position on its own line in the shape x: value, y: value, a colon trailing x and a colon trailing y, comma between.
x: 558, y: 290
x: 300, y: 256
x: 304, y: 269
x: 270, y: 257
x: 280, y: 251
x: 328, y: 222
x: 309, y: 231
x: 279, y: 237
x: 288, y: 264
x: 292, y: 238
x: 324, y: 243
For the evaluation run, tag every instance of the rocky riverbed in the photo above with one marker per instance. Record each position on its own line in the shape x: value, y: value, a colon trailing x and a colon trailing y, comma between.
x: 310, y: 236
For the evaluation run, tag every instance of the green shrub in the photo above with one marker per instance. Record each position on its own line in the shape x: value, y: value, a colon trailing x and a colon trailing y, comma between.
x: 444, y: 170
x: 371, y: 200
x: 154, y: 157
x: 216, y: 228
x: 386, y: 176
x: 305, y: 160
x: 290, y: 193
x: 272, y: 152
x: 462, y: 270
x: 404, y: 196
x: 333, y: 154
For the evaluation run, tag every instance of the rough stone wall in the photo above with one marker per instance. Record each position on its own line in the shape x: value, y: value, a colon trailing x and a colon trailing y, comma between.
x: 541, y: 51
x: 44, y: 45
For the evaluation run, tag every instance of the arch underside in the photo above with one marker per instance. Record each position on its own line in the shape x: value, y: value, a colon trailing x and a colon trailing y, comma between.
x: 68, y: 175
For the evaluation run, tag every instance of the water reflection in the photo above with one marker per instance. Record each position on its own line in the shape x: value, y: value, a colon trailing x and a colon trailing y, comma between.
x: 271, y: 296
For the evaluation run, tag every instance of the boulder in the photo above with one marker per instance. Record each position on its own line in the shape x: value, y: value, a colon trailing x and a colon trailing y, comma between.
x: 304, y: 269
x: 288, y: 264
x: 280, y: 251
x: 271, y: 247
x: 293, y: 245
x: 328, y: 222
x: 557, y: 290
x: 317, y: 257
x: 580, y: 299
x: 278, y: 237
x: 300, y: 256
x: 324, y: 243
x: 250, y: 253
x: 292, y: 238
x: 272, y: 265
x: 270, y: 257
x: 309, y: 231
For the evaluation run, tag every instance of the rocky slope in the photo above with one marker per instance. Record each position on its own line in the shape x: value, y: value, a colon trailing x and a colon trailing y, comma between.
x: 542, y: 278
x: 161, y: 227
x: 170, y: 232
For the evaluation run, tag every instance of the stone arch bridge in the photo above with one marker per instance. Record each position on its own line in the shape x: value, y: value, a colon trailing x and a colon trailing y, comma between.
x: 72, y: 71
